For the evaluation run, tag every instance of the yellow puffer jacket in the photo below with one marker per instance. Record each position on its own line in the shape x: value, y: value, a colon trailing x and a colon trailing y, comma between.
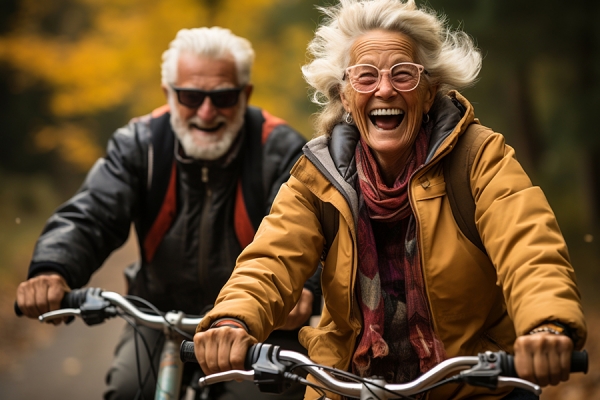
x: 477, y: 302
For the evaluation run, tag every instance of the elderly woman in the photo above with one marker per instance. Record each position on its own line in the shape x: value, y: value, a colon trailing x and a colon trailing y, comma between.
x: 403, y: 286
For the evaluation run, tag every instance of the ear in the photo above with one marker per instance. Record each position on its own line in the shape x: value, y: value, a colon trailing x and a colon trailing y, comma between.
x: 248, y: 91
x: 345, y: 101
x: 430, y: 97
x: 165, y: 91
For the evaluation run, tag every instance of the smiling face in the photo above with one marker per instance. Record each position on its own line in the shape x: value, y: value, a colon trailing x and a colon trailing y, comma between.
x: 206, y: 132
x: 388, y: 120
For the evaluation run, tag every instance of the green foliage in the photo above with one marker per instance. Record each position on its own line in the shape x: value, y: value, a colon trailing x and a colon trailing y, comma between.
x: 539, y: 86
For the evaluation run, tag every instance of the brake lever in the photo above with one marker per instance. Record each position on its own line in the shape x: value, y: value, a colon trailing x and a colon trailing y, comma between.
x: 63, y: 312
x: 487, y: 373
x: 504, y: 381
x: 225, y: 377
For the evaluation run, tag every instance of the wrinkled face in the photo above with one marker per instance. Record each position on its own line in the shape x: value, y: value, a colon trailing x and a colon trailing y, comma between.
x: 206, y: 132
x: 388, y: 120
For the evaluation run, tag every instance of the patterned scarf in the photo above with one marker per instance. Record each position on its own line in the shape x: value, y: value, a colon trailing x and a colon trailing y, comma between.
x: 389, y: 208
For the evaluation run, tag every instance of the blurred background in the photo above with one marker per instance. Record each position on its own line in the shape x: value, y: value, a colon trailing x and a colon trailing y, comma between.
x: 72, y: 71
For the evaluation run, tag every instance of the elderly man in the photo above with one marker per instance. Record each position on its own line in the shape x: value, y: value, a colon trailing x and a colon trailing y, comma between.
x: 195, y: 177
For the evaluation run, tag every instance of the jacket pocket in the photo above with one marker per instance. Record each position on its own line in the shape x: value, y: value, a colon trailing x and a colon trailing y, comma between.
x: 326, y: 346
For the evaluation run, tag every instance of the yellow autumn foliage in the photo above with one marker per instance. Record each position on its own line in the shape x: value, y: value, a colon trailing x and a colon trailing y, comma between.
x: 71, y: 141
x: 106, y: 55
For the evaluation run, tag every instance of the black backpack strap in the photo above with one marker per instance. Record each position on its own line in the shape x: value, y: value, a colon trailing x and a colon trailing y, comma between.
x: 160, y: 159
x: 252, y: 175
x: 457, y: 169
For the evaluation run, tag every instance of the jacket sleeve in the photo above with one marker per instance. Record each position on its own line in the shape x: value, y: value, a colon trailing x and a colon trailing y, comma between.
x: 524, y: 242
x: 282, y: 150
x: 270, y: 273
x: 83, y: 231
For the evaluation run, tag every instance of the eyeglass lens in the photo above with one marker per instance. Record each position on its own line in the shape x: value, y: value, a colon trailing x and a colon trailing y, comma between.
x: 403, y: 77
x: 221, y: 98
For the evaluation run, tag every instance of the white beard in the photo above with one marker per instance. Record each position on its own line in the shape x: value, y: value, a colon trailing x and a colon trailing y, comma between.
x: 209, y: 147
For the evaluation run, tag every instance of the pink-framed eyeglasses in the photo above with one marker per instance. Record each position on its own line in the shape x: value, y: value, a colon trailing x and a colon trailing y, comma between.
x: 365, y: 78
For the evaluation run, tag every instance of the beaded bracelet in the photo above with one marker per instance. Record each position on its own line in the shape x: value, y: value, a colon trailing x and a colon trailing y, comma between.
x: 229, y: 323
x: 545, y: 328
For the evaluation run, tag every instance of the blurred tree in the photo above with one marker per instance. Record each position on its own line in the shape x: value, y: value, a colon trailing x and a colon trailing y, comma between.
x: 539, y: 86
x: 98, y: 64
x: 71, y: 71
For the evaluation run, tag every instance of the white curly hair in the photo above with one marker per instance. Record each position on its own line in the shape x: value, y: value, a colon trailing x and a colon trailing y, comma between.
x: 214, y: 42
x: 450, y: 56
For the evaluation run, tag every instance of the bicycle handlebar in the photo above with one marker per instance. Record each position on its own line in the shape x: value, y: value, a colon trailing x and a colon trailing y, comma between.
x: 94, y: 306
x: 269, y: 367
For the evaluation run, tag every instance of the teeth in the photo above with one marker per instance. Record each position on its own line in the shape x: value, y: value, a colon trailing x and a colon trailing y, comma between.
x: 386, y: 111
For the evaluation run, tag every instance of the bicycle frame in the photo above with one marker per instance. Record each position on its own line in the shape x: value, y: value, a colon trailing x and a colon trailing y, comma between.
x: 168, y: 382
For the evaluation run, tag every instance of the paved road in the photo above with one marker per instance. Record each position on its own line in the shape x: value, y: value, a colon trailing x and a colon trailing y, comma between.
x: 69, y: 362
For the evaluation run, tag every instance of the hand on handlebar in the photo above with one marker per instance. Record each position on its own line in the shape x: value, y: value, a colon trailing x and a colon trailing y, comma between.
x: 301, y: 312
x: 222, y: 349
x: 41, y: 294
x: 543, y: 358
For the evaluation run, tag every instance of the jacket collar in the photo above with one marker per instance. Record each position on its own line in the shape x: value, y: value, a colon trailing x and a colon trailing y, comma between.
x: 449, y: 114
x: 333, y: 154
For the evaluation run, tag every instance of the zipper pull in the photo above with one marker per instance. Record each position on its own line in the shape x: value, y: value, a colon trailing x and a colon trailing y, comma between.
x: 205, y: 174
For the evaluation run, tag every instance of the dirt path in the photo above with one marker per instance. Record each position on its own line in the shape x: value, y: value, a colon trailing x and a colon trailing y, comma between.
x: 67, y: 362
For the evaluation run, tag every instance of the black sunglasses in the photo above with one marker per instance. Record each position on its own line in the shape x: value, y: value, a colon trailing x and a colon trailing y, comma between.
x: 221, y: 98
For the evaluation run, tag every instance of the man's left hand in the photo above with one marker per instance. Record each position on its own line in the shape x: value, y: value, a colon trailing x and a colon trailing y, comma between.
x: 301, y: 313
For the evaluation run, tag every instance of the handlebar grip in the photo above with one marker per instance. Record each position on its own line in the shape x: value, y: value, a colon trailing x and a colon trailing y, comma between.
x: 18, y: 311
x: 579, y: 363
x: 186, y: 353
x: 73, y: 299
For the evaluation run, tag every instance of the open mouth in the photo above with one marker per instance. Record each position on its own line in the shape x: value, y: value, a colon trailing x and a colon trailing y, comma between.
x: 205, y: 129
x: 386, y: 118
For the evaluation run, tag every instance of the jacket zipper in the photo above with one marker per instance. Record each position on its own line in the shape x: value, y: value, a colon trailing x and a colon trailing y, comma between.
x: 423, y: 169
x: 202, y: 229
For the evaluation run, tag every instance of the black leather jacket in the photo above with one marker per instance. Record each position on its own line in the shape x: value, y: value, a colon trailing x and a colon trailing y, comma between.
x: 197, y: 254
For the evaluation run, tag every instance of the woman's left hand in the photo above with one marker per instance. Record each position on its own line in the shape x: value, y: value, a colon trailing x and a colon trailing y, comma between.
x: 543, y: 358
x: 301, y: 312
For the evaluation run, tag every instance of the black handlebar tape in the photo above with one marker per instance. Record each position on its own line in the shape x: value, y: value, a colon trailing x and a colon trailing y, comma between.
x: 579, y: 363
x: 73, y: 299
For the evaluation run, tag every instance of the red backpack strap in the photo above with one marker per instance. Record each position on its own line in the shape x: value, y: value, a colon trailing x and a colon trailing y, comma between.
x: 164, y: 219
x: 159, y: 111
x: 271, y: 122
x: 243, y: 226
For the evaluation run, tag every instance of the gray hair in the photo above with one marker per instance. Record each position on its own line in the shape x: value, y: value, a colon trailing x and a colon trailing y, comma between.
x: 212, y: 42
x: 450, y: 57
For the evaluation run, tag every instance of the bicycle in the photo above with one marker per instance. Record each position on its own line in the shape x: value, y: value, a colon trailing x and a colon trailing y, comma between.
x: 94, y: 306
x: 271, y: 369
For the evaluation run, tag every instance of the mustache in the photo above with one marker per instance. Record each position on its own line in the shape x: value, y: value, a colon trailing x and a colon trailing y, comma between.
x: 200, y: 123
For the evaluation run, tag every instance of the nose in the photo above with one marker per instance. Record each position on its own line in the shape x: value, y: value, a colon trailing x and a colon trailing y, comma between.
x: 207, y: 111
x: 385, y: 89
